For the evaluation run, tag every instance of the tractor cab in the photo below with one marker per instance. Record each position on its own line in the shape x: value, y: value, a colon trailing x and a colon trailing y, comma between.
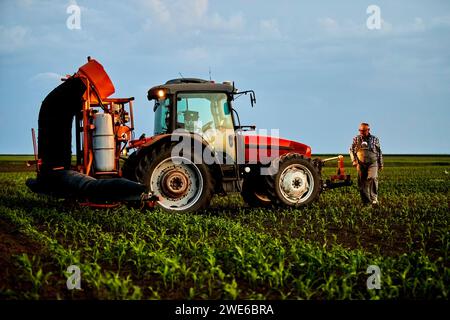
x: 192, y: 104
x: 200, y: 107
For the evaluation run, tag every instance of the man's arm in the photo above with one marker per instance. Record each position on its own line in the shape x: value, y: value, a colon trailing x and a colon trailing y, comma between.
x: 352, y: 151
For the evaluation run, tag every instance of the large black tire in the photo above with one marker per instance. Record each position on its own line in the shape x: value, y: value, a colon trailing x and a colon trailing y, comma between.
x: 296, y: 183
x: 182, y: 187
x: 254, y: 192
x: 129, y: 167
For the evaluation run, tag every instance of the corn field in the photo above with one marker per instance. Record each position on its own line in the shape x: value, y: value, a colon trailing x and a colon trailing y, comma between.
x: 232, y: 251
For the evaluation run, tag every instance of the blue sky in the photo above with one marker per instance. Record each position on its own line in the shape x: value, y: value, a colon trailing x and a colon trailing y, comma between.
x: 317, y: 70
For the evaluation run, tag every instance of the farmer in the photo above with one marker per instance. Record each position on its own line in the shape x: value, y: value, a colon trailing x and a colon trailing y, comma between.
x: 366, y: 156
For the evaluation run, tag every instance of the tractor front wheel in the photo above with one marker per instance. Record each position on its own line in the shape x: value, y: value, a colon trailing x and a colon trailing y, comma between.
x: 297, y: 181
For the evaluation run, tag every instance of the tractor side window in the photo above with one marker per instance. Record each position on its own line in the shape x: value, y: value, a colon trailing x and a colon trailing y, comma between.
x: 162, y: 116
x: 223, y: 112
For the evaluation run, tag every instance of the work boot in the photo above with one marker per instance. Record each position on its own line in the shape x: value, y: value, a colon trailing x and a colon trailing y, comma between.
x: 366, y: 203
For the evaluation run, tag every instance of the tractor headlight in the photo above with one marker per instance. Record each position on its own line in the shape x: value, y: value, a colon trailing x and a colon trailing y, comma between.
x: 161, y: 93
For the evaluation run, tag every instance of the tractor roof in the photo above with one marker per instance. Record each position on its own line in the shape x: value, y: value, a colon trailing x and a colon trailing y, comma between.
x: 190, y: 84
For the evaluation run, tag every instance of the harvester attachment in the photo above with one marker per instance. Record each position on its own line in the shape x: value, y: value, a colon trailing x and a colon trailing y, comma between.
x: 102, y: 131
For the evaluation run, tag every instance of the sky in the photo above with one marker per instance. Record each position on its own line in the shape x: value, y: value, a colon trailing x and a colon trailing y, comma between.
x: 317, y: 68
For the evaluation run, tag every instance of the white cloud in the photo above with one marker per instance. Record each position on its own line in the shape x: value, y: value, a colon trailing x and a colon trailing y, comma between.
x: 180, y: 15
x: 12, y: 38
x: 441, y: 21
x: 217, y: 22
x: 25, y: 3
x: 350, y: 28
x: 328, y: 24
x: 197, y: 54
x: 198, y: 8
x: 419, y: 24
x: 46, y: 76
x: 386, y: 28
x: 159, y: 10
x: 270, y: 27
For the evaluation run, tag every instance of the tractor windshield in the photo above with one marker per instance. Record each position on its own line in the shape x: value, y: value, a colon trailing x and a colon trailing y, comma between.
x: 200, y: 112
x: 208, y: 114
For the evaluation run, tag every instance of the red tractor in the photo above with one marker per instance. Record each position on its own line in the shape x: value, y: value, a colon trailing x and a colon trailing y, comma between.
x: 199, y: 148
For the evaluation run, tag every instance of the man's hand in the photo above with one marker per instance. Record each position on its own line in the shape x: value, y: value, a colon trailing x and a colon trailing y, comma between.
x: 354, y: 163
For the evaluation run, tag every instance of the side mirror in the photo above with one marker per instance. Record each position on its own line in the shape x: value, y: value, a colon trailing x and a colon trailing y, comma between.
x: 252, y: 96
x: 252, y: 99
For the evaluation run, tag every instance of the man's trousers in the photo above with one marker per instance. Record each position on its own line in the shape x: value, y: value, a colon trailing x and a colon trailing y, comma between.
x: 368, y: 182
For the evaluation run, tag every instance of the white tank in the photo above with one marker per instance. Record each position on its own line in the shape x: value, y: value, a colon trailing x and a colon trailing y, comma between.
x: 103, y: 142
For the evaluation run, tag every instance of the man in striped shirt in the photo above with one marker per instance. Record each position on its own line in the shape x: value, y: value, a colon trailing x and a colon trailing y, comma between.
x: 366, y: 156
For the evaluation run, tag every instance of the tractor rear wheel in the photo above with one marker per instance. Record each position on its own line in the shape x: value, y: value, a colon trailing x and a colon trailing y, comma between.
x: 297, y: 181
x: 180, y: 182
x: 254, y: 193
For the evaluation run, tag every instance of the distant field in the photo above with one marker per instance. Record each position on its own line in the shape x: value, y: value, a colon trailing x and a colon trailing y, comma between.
x: 231, y: 251
x: 18, y: 162
x: 405, y: 160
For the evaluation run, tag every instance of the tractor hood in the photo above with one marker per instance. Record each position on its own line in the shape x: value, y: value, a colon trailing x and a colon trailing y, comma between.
x: 259, y: 148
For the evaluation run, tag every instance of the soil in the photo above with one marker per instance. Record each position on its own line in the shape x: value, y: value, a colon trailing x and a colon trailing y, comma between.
x: 12, y: 243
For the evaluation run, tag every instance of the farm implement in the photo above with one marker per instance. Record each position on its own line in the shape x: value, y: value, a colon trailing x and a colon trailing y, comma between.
x: 199, y: 148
